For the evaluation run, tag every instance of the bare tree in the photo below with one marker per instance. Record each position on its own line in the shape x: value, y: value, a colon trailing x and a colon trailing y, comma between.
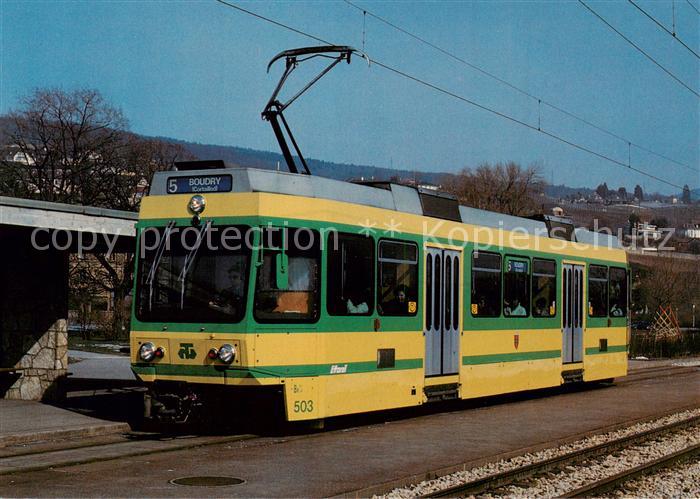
x: 74, y: 147
x: 669, y: 281
x: 622, y: 192
x: 141, y: 159
x: 685, y: 197
x: 602, y: 190
x: 506, y: 188
x: 67, y: 142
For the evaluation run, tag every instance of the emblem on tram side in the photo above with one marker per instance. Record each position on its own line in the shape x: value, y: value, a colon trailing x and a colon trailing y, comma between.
x: 187, y: 351
x: 516, y: 340
x: 336, y: 369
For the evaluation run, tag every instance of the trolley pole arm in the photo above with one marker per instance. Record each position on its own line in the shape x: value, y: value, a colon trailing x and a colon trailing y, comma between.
x: 272, y: 117
x: 294, y: 143
x: 274, y: 108
x: 315, y: 79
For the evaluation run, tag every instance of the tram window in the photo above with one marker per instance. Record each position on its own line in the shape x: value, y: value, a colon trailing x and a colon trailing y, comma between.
x: 398, y: 278
x: 544, y: 288
x: 486, y: 284
x: 618, y: 292
x: 597, y: 291
x: 298, y: 300
x: 211, y: 289
x: 516, y: 288
x: 350, y: 274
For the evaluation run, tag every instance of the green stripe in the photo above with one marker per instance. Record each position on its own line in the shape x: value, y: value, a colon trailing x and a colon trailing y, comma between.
x: 611, y: 349
x: 271, y: 371
x: 509, y: 357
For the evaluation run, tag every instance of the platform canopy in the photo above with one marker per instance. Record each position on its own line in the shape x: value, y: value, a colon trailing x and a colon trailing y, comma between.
x: 75, y: 218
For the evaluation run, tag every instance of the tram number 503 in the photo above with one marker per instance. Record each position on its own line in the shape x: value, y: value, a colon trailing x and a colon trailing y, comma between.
x: 304, y: 406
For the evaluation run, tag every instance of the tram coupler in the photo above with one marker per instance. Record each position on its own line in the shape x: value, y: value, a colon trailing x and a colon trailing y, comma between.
x: 177, y: 404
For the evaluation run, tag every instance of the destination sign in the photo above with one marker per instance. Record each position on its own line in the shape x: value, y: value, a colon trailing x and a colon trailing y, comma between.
x: 200, y: 183
x: 516, y: 266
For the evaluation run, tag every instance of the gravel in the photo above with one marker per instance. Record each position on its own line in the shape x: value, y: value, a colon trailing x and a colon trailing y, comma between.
x: 573, y: 477
x: 679, y: 481
x: 547, y: 487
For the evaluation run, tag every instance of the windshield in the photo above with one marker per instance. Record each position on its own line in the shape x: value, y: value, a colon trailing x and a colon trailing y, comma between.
x: 192, y: 274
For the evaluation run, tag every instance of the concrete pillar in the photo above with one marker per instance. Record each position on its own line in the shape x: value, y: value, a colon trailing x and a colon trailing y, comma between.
x: 33, y: 318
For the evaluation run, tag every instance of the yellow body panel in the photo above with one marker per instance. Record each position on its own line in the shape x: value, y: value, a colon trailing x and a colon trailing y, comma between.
x: 351, y: 393
x: 507, y: 377
x: 604, y: 365
x: 503, y: 341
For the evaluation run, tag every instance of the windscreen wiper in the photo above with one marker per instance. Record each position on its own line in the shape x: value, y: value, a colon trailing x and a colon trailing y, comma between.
x: 274, y: 108
x: 189, y: 259
x: 160, y: 250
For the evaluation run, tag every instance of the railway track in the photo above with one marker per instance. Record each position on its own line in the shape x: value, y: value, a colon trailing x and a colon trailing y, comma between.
x: 519, y: 474
x: 656, y: 372
x: 609, y: 484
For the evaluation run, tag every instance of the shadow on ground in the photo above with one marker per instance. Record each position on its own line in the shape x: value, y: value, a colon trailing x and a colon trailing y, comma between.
x: 109, y: 403
x: 123, y: 402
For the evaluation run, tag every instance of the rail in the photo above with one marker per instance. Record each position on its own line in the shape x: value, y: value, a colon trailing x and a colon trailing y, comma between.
x: 507, y: 477
x: 596, y: 489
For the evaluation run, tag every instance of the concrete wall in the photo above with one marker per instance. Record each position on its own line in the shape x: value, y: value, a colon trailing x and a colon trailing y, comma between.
x: 33, y: 313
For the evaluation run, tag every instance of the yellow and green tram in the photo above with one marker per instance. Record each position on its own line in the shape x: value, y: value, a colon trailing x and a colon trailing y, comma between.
x: 342, y: 298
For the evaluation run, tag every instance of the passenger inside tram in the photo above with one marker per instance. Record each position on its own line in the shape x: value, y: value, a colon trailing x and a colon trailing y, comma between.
x: 514, y: 309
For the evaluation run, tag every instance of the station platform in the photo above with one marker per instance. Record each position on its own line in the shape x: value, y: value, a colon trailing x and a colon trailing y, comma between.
x: 23, y: 422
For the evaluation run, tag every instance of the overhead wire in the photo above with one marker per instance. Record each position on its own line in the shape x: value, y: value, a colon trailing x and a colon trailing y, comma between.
x: 459, y: 97
x: 520, y: 122
x: 693, y: 6
x: 672, y: 33
x: 639, y: 49
x: 250, y: 12
x: 440, y: 49
x: 539, y: 100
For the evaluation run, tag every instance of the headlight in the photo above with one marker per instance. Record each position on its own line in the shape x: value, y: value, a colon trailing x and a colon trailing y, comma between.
x: 147, y: 351
x: 227, y: 353
x: 197, y: 204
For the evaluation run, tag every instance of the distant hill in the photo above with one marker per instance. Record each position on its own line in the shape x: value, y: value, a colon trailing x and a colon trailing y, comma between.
x: 240, y: 156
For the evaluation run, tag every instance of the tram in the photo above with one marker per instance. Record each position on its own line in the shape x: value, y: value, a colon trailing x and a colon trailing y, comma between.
x: 336, y: 298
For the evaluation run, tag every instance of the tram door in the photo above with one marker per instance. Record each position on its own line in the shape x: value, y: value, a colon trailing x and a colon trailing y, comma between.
x: 572, y: 313
x: 442, y: 314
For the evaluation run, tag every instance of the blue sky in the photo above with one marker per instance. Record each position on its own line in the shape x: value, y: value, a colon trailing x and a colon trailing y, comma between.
x: 195, y: 70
